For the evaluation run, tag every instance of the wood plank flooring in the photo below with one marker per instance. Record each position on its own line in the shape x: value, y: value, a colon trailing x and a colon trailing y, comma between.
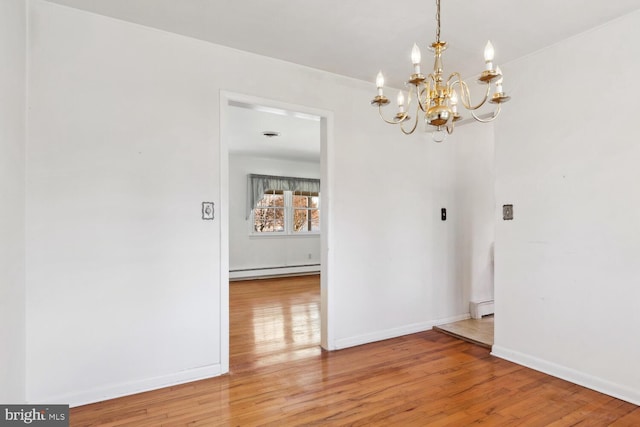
x: 273, y: 321
x: 280, y: 377
x: 477, y: 331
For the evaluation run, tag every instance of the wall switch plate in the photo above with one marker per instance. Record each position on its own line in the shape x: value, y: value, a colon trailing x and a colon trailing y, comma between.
x: 207, y: 210
x: 507, y: 212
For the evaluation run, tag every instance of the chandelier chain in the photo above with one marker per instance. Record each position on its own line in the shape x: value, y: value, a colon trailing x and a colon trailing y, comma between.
x: 438, y: 21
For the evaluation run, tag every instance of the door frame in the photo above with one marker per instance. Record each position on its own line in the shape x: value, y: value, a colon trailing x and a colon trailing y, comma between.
x: 327, y: 340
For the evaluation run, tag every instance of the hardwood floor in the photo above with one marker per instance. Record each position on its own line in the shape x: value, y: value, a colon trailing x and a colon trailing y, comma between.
x: 477, y: 331
x: 273, y: 321
x: 280, y: 377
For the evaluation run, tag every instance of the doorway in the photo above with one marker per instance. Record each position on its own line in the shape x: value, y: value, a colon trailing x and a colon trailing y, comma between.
x: 231, y: 104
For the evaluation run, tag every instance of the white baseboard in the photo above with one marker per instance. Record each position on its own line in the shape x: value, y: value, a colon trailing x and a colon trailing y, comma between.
x: 132, y: 387
x: 601, y: 385
x: 394, y: 332
x: 256, y: 273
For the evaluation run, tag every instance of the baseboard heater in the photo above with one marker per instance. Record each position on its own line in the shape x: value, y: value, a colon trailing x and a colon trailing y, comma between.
x: 479, y: 309
x: 266, y: 272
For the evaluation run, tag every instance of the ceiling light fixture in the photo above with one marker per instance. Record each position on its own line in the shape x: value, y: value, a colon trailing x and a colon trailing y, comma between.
x: 437, y: 99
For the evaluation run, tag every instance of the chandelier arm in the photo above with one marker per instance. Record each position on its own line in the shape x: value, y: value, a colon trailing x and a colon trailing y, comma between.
x: 428, y: 89
x: 490, y: 119
x: 408, y: 104
x: 422, y: 104
x: 418, y: 98
x: 450, y: 127
x: 391, y: 122
x: 452, y: 76
x: 415, y: 125
x: 425, y: 90
x: 466, y: 96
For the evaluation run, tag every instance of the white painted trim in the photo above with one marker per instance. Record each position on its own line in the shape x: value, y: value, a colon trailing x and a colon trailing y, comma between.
x: 274, y: 271
x: 577, y: 377
x: 223, y: 210
x: 277, y: 235
x: 326, y: 147
x: 396, y: 332
x: 327, y: 333
x: 133, y: 387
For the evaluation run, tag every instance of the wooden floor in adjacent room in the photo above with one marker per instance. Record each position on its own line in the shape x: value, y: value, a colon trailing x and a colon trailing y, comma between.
x: 477, y: 331
x: 280, y: 377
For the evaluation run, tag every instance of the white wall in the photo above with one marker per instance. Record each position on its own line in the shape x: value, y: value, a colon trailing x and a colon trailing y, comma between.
x: 123, y: 285
x: 398, y: 266
x: 13, y: 31
x: 251, y: 252
x: 567, y: 267
x: 475, y: 209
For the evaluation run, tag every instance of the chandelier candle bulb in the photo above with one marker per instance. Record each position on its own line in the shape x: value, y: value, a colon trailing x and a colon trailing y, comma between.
x: 489, y: 53
x: 454, y: 102
x: 400, y: 100
x: 499, y: 81
x: 415, y: 58
x: 380, y: 82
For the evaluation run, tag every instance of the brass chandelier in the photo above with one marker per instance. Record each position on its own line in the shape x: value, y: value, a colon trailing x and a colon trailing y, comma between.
x: 438, y: 99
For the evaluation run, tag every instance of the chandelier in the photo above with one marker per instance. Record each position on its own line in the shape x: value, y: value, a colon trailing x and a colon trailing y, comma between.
x: 438, y: 99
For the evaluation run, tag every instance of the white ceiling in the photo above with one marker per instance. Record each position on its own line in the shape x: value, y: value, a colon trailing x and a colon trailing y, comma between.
x: 299, y: 137
x: 357, y: 38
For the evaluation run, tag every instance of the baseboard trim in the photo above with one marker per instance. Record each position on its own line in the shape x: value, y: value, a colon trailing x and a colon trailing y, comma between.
x: 133, y: 387
x: 395, y: 332
x: 266, y: 272
x: 601, y: 385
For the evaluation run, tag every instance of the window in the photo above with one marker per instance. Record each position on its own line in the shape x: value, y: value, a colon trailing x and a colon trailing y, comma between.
x: 268, y: 216
x: 283, y: 205
x: 287, y: 212
x: 306, y: 212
